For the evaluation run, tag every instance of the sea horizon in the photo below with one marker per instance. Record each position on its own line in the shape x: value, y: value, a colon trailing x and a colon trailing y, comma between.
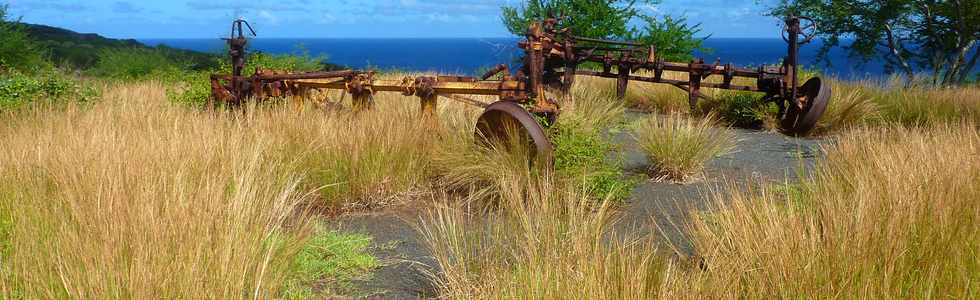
x: 469, y: 56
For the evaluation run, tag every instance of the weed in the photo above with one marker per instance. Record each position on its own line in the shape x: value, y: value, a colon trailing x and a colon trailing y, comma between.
x: 334, y: 257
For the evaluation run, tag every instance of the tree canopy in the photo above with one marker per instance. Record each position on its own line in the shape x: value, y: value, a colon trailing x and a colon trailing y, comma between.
x: 937, y: 36
x: 610, y: 19
x: 17, y: 50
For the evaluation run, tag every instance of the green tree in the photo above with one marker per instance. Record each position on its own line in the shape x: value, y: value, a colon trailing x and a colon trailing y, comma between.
x: 607, y: 19
x: 17, y: 50
x: 938, y: 36
x: 610, y: 19
x: 674, y: 38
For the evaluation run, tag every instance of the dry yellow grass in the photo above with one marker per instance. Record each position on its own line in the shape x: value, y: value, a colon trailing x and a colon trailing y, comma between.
x: 883, y: 217
x: 678, y: 146
x: 133, y: 198
x: 891, y: 213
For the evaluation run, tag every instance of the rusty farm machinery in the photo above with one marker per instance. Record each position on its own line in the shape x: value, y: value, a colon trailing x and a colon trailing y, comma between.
x: 552, y: 58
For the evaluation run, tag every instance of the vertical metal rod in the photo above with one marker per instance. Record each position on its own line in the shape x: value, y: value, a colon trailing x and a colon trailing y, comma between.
x: 429, y: 104
x: 793, y: 27
x: 695, y: 88
x: 622, y: 82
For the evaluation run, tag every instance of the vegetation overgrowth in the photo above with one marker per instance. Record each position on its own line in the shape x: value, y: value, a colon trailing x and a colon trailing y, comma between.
x: 125, y: 189
x: 855, y: 229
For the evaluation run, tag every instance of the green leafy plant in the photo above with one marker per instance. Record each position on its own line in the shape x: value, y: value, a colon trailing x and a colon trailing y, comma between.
x: 581, y: 156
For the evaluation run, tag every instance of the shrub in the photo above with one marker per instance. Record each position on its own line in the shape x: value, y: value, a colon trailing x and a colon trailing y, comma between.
x: 133, y: 64
x: 299, y: 62
x: 191, y: 88
x: 19, y: 89
x: 679, y: 146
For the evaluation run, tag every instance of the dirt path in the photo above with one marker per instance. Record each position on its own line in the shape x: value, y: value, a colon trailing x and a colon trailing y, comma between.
x: 759, y: 157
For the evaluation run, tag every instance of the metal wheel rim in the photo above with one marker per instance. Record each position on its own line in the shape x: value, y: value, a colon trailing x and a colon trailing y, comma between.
x: 491, y: 125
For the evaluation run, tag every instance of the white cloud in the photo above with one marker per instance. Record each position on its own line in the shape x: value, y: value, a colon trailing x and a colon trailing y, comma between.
x: 268, y: 17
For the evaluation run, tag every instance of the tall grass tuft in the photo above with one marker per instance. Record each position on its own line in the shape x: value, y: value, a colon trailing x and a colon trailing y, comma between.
x: 543, y: 241
x: 136, y: 199
x: 849, y: 107
x: 679, y: 146
x: 891, y: 213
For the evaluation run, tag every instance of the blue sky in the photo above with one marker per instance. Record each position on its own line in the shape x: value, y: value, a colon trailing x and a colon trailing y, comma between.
x: 344, y: 18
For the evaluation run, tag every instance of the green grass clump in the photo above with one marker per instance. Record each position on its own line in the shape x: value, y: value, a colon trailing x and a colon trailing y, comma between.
x: 679, y: 146
x: 329, y: 260
x: 581, y: 156
x: 741, y: 109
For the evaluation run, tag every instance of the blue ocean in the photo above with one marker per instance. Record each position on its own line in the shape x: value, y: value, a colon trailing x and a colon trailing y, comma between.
x: 469, y: 55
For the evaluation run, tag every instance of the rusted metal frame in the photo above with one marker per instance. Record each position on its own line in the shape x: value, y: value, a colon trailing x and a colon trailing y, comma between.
x: 602, y: 41
x: 490, y: 88
x: 790, y: 64
x: 309, y: 75
x: 684, y: 87
x: 623, y: 75
x: 707, y: 69
x: 694, y: 86
x: 465, y: 100
x: 537, y: 45
x: 672, y: 81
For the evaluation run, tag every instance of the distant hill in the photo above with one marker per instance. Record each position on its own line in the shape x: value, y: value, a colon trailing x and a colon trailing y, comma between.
x: 81, y: 50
